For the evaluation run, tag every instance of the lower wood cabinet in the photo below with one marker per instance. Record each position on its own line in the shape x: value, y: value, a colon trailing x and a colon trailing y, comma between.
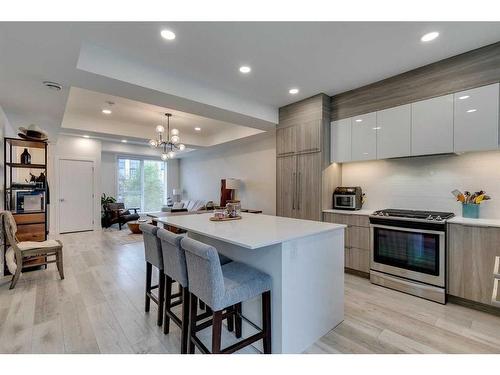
x: 471, y: 257
x: 356, y: 239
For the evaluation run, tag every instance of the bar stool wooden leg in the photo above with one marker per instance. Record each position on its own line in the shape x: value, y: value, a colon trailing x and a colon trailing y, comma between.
x: 161, y: 297
x: 185, y: 320
x: 266, y: 321
x: 216, y: 331
x: 149, y: 269
x: 192, y: 321
x: 238, y: 320
x: 168, y: 297
x: 230, y: 318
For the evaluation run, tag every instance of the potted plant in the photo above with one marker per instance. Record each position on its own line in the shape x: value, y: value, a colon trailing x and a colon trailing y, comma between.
x: 105, y: 199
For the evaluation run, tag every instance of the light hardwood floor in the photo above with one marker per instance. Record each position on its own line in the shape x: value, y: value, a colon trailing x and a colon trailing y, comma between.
x: 98, y: 308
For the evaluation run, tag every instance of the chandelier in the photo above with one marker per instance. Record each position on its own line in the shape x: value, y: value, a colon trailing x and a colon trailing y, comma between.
x: 169, y: 142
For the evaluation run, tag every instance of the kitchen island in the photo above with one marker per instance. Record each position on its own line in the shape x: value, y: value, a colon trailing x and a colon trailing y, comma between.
x: 305, y: 260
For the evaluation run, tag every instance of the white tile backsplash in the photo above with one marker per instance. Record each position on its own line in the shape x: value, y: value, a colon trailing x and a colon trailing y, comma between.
x: 426, y: 183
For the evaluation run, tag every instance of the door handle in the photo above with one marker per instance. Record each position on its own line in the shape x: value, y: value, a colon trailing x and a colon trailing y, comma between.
x: 294, y: 177
x: 61, y: 200
x: 299, y: 191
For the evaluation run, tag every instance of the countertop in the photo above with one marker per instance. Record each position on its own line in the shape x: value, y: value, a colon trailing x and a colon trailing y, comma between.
x: 253, y: 230
x: 475, y: 222
x: 349, y: 212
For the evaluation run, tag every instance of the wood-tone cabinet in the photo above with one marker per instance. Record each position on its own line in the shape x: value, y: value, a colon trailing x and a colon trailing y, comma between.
x: 476, y: 119
x: 302, y: 138
x: 286, y: 177
x: 286, y: 141
x: 432, y: 126
x: 302, y: 149
x: 356, y: 239
x: 364, y: 137
x: 394, y: 132
x: 309, y: 186
x: 471, y: 257
x: 299, y: 186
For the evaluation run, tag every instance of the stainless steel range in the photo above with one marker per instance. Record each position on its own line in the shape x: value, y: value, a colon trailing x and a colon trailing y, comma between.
x: 408, y: 251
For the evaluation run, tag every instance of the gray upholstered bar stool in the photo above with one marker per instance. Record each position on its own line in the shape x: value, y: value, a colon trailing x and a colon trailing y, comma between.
x: 153, y: 255
x: 175, y: 269
x: 221, y: 287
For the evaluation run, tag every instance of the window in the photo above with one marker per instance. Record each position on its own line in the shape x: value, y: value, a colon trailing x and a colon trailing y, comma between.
x: 142, y: 183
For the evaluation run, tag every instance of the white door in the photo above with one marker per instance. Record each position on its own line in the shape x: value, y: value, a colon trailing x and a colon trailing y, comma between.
x: 340, y: 142
x: 76, y: 190
x: 394, y: 132
x: 432, y: 126
x: 476, y: 119
x: 364, y: 137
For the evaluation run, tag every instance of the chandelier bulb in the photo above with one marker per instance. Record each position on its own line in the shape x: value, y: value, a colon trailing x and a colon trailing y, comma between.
x: 160, y: 128
x: 182, y: 147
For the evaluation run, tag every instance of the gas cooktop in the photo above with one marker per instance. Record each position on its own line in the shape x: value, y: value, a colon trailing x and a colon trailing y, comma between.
x: 414, y: 214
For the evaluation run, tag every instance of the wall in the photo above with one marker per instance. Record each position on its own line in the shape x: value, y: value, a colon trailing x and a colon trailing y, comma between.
x: 252, y: 161
x: 425, y: 183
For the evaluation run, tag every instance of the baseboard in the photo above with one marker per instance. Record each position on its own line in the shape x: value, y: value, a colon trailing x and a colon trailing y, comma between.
x: 474, y: 305
x: 357, y: 273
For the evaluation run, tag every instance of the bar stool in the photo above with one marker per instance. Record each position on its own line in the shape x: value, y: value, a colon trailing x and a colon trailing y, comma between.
x: 174, y: 268
x: 221, y: 287
x: 153, y: 255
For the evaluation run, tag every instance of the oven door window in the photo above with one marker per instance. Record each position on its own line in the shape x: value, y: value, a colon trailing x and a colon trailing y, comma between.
x: 409, y: 250
x: 344, y: 201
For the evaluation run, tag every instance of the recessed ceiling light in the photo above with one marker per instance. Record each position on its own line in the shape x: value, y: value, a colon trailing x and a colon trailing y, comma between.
x: 124, y: 141
x: 359, y: 120
x: 86, y: 136
x: 167, y: 34
x: 197, y: 129
x: 471, y: 110
x: 377, y: 128
x: 293, y: 91
x: 463, y: 97
x: 429, y: 36
x: 107, y: 111
x: 245, y: 69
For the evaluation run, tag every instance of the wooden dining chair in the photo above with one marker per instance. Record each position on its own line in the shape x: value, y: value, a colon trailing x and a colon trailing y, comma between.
x: 28, y: 249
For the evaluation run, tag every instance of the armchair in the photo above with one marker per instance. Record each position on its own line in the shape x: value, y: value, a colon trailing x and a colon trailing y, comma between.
x: 116, y: 213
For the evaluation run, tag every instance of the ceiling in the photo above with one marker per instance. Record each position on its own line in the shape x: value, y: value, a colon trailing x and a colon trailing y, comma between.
x: 136, y: 120
x: 197, y: 73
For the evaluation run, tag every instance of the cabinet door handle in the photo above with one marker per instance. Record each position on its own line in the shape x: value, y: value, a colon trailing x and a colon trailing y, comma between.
x: 299, y: 190
x: 294, y: 177
x: 494, y: 297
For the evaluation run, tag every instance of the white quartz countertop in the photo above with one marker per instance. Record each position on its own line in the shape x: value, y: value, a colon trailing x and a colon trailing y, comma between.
x: 253, y: 230
x: 476, y: 222
x: 349, y: 212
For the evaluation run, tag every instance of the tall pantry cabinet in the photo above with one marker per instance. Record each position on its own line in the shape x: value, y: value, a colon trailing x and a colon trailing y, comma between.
x: 302, y: 157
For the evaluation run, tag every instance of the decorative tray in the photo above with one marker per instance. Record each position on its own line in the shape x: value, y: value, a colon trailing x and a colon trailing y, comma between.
x: 225, y: 219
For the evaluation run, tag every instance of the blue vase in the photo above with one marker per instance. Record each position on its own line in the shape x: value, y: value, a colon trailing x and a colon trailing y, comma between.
x: 470, y: 210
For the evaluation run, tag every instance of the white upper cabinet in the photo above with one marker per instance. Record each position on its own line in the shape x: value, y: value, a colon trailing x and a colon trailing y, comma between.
x: 340, y: 142
x: 364, y: 137
x: 432, y: 126
x: 394, y: 132
x: 476, y: 119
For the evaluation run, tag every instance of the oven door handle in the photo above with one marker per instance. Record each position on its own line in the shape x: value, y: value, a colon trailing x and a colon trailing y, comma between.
x: 394, y: 227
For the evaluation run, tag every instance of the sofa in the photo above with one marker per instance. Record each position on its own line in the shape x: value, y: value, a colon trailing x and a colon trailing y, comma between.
x: 186, y: 204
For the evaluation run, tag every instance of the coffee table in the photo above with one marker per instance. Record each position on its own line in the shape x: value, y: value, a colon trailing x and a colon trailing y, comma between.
x: 134, y: 226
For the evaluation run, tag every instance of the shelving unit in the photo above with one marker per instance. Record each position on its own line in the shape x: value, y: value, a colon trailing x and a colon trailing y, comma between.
x: 32, y: 225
